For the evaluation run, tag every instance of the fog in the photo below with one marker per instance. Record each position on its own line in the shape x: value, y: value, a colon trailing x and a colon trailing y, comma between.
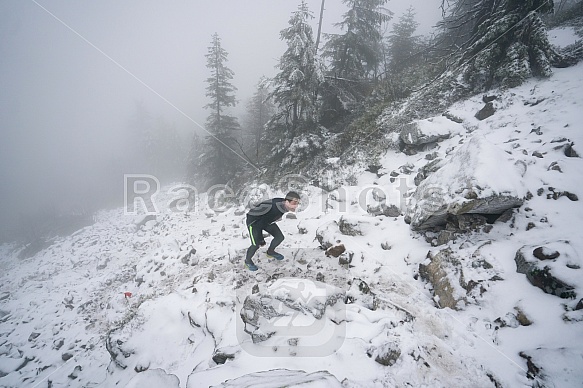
x: 74, y: 75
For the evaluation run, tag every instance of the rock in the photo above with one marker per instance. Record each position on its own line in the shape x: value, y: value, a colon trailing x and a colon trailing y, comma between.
x: 66, y: 356
x: 579, y: 305
x: 360, y: 293
x: 553, y: 273
x: 33, y: 336
x: 220, y: 356
x: 542, y: 253
x: 558, y: 194
x: 386, y: 354
x: 328, y: 235
x: 470, y: 222
x: 280, y: 378
x: 554, y: 166
x: 336, y: 250
x: 421, y: 132
x: 189, y: 258
x: 427, y: 170
x: 384, y: 210
x: 345, y: 258
x: 570, y: 151
x: 464, y: 185
x: 452, y: 117
x: 487, y: 99
x: 439, y: 270
x: 523, y: 320
x: 352, y: 225
x: 487, y: 111
x: 142, y: 366
x: 444, y: 237
x: 75, y: 374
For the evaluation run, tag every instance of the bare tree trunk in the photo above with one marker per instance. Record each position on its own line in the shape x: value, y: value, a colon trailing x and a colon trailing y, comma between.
x: 320, y: 25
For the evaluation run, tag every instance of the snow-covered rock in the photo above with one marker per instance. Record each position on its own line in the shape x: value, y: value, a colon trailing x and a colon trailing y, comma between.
x: 554, y: 267
x: 478, y: 178
x: 430, y: 130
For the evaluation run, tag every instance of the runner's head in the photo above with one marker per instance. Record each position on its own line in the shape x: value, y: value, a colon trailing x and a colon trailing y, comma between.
x: 292, y: 200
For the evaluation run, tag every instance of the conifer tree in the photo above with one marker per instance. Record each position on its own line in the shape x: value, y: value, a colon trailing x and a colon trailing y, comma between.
x: 296, y: 84
x: 220, y: 160
x: 260, y: 109
x: 357, y: 53
x: 501, y: 42
x: 403, y: 45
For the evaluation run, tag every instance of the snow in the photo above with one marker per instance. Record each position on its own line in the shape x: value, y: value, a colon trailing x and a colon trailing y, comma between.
x: 64, y: 313
x: 563, y: 36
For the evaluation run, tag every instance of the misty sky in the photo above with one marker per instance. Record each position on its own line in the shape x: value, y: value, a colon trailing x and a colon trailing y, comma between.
x: 65, y: 105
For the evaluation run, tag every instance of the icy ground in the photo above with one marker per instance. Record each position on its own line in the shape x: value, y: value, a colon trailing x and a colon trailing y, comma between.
x: 158, y: 305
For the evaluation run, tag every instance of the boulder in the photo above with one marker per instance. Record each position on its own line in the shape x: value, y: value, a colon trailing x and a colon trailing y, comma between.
x: 386, y: 354
x: 441, y: 270
x: 336, y: 250
x: 328, y: 235
x: 487, y: 111
x: 470, y: 182
x: 432, y: 130
x: 554, y: 267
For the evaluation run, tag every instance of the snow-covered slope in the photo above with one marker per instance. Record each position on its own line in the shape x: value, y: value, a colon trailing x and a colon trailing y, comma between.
x: 159, y: 305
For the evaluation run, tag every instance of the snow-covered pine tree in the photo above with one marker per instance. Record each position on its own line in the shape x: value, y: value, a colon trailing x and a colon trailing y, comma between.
x: 406, y: 64
x: 295, y: 87
x: 220, y: 160
x: 357, y: 53
x: 501, y: 42
x: 403, y: 45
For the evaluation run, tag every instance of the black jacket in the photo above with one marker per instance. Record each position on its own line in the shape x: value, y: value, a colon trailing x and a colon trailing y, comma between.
x: 267, y: 212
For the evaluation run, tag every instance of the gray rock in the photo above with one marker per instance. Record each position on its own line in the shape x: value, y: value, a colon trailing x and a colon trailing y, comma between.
x: 461, y: 186
x: 414, y: 134
x: 386, y: 354
x: 220, y: 356
x: 328, y: 235
x: 384, y: 210
x: 336, y: 250
x: 350, y: 226
x: 549, y: 273
x: 360, y: 293
x: 487, y: 111
x: 439, y: 270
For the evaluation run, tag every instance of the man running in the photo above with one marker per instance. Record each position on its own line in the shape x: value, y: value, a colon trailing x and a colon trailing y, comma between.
x: 263, y: 217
